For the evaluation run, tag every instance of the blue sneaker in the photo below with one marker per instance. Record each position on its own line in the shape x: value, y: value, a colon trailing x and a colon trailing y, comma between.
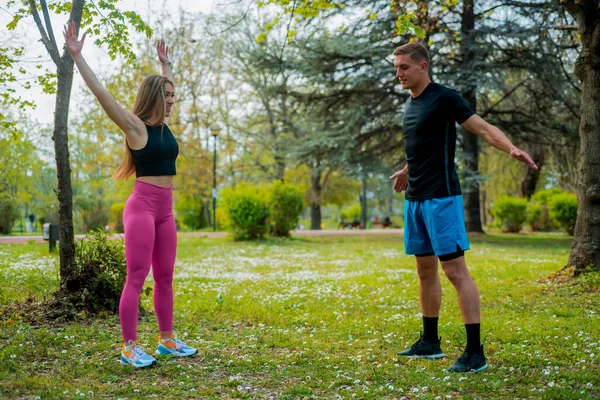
x: 133, y: 355
x: 175, y: 347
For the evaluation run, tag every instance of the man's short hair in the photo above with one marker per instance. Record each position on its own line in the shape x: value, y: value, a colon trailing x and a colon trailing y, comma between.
x: 416, y: 50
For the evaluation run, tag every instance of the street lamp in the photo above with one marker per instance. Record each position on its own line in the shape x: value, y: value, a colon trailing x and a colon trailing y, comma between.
x: 214, y: 132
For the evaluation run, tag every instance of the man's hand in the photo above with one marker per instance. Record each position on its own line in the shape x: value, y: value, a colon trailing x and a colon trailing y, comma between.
x: 522, y: 156
x: 401, y: 178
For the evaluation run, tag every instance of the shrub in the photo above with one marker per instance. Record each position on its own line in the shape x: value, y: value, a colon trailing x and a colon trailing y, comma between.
x: 99, y: 273
x: 8, y: 213
x: 247, y: 211
x: 222, y: 219
x: 93, y: 212
x: 351, y: 213
x: 191, y: 212
x: 538, y: 215
x: 510, y: 213
x: 116, y: 216
x: 563, y: 210
x: 543, y: 196
x: 535, y: 216
x: 286, y: 203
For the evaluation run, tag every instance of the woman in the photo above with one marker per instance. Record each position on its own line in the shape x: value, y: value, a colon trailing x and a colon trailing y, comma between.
x: 150, y: 235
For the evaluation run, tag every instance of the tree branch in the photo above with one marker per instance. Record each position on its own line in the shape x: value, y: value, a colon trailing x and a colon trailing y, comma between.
x: 50, y: 47
x: 49, y: 26
x: 506, y: 95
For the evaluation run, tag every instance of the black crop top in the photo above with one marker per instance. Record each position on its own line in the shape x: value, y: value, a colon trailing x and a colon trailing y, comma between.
x: 158, y: 157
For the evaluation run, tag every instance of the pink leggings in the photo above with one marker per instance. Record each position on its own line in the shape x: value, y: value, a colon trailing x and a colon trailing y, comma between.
x: 150, y: 238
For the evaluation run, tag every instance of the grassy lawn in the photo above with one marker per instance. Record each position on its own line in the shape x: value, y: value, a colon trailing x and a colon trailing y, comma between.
x: 317, y: 317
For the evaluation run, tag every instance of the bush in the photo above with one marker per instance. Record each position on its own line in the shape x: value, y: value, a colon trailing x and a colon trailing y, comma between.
x: 247, y: 211
x: 543, y: 196
x: 510, y: 213
x: 538, y: 215
x: 8, y: 213
x: 286, y: 204
x: 191, y: 212
x: 116, y: 216
x: 222, y: 219
x: 563, y: 210
x: 351, y: 213
x: 99, y: 273
x: 93, y: 212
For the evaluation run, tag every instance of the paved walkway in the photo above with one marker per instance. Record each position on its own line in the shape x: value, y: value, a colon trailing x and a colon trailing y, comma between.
x: 25, y: 239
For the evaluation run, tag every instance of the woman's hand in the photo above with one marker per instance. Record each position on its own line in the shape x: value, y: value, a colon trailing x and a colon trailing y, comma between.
x: 162, y: 50
x: 73, y: 44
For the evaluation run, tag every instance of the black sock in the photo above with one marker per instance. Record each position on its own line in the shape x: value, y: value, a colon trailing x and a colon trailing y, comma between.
x: 430, y: 329
x: 473, y: 337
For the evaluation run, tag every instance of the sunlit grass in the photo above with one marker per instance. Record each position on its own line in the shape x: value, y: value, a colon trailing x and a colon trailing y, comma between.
x: 318, y: 317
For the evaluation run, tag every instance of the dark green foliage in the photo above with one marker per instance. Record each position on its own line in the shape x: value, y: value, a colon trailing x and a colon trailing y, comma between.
x: 510, y: 213
x: 563, y: 210
x: 247, y: 211
x: 286, y: 204
x: 8, y: 213
x: 538, y: 216
x: 98, y: 275
x: 191, y: 212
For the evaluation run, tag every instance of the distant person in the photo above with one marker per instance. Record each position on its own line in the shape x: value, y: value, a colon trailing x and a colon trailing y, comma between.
x: 433, y: 210
x: 150, y: 234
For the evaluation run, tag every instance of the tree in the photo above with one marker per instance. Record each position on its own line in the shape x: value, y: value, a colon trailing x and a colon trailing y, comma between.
x: 585, y: 252
x: 115, y: 35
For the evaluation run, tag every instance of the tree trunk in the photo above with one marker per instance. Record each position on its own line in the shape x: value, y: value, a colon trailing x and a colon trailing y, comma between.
x: 61, y: 149
x: 363, y: 201
x: 470, y: 143
x: 585, y: 251
x: 315, y: 204
x: 532, y: 176
x: 390, y: 198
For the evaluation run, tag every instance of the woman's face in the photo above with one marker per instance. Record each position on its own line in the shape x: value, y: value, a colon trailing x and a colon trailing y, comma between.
x: 169, y: 98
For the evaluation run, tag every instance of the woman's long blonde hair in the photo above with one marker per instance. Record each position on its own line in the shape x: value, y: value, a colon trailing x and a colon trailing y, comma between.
x: 149, y: 107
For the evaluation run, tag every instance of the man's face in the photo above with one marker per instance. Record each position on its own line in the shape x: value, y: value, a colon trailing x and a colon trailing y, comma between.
x: 409, y: 72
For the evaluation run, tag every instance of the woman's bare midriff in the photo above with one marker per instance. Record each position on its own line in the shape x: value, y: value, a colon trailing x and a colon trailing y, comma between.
x: 165, y: 181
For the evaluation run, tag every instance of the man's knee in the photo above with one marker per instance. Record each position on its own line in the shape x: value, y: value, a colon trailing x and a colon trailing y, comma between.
x: 427, y: 268
x: 456, y: 271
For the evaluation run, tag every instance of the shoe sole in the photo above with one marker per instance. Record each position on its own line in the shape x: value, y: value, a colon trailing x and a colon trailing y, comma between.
x: 429, y: 356
x: 158, y: 353
x: 134, y: 366
x: 471, y: 371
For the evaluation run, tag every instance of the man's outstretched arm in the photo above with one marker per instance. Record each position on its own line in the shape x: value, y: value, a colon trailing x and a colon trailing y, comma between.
x: 496, y: 138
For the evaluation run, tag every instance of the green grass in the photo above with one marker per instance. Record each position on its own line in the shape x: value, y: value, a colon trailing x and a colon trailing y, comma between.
x: 317, y: 317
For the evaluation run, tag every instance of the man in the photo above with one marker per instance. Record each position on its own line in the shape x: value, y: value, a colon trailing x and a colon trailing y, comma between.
x: 433, y: 210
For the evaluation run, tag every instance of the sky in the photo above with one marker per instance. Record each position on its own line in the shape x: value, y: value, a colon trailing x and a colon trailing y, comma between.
x: 28, y: 35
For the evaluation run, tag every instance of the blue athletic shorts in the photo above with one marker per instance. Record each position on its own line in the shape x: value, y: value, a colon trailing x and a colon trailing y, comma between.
x: 435, y: 226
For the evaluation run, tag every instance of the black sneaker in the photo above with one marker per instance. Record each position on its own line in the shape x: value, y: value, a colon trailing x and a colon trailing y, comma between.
x: 469, y: 361
x: 423, y: 349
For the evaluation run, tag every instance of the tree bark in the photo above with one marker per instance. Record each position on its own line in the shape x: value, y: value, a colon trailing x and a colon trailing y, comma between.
x: 585, y: 252
x: 531, y: 178
x: 64, y: 67
x: 363, y: 201
x: 470, y: 143
x: 315, y: 204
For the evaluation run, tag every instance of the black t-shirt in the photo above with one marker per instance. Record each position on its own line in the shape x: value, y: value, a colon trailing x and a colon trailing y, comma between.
x: 430, y: 141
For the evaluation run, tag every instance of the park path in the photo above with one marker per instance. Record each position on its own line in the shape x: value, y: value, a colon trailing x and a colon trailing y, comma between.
x: 332, y: 232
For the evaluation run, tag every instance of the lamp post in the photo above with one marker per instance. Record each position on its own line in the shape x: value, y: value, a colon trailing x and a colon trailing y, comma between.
x: 214, y: 133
